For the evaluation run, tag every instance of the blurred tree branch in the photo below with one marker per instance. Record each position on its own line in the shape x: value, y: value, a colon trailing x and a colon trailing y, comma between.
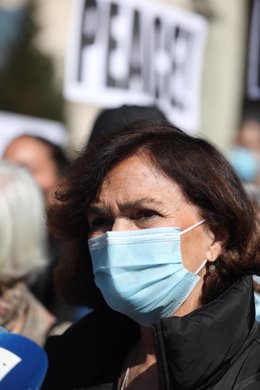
x: 27, y: 83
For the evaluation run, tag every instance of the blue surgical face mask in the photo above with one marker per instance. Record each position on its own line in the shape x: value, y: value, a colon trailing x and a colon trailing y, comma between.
x: 140, y: 272
x: 245, y: 163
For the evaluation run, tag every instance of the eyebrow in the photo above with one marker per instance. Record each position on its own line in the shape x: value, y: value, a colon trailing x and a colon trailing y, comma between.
x: 96, y: 209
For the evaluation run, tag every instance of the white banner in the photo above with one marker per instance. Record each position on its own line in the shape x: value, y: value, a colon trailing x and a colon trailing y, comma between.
x: 253, y: 73
x: 134, y: 52
x: 12, y: 125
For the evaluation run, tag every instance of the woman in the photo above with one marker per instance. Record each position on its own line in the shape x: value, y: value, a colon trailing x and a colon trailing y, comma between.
x: 161, y: 239
x: 23, y: 255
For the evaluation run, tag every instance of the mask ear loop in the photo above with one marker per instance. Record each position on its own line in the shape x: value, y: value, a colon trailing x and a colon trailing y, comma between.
x: 192, y: 226
x: 187, y: 230
x: 201, y: 266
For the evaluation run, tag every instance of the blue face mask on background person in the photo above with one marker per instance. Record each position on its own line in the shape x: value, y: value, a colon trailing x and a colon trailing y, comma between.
x: 245, y: 163
x: 140, y: 272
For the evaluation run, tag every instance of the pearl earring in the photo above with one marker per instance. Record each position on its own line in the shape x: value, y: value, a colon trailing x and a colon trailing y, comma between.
x: 212, y: 268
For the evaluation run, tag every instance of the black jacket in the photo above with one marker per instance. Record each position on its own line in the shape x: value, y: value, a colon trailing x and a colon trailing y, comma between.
x: 215, y: 347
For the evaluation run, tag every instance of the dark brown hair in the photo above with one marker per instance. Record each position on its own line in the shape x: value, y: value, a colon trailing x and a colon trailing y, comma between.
x: 206, y: 179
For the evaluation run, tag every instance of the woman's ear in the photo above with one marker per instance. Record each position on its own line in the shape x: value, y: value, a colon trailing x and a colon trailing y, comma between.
x: 214, y: 250
x: 215, y: 247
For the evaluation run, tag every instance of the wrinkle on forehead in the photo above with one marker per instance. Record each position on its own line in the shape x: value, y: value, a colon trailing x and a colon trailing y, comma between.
x: 136, y: 178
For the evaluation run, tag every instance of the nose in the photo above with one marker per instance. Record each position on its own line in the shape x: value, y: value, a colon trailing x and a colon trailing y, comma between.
x: 122, y: 224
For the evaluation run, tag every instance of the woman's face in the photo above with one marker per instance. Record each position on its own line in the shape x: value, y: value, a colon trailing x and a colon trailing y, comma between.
x: 134, y: 196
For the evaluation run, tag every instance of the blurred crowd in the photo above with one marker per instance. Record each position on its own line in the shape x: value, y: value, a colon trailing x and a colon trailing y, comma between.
x: 245, y: 157
x: 31, y: 169
x: 32, y: 161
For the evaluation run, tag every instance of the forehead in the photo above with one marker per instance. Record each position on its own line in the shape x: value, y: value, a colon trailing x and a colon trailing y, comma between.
x: 26, y: 150
x: 136, y: 178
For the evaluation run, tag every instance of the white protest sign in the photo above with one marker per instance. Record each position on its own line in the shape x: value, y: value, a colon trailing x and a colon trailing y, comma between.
x: 134, y: 52
x: 253, y: 73
x: 13, y: 124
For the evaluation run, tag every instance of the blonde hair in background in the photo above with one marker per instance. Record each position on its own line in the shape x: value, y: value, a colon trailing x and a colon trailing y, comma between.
x: 23, y: 231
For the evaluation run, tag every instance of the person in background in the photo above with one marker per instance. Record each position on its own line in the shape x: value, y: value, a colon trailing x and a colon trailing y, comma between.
x: 245, y: 158
x: 245, y: 154
x: 248, y: 135
x: 111, y: 118
x: 47, y: 162
x: 253, y: 192
x: 161, y: 239
x: 23, y: 255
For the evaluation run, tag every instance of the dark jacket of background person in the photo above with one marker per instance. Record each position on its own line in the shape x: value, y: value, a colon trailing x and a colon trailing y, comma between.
x: 217, y: 345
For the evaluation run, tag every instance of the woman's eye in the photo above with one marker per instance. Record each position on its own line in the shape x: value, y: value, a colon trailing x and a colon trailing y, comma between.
x: 100, y: 223
x: 146, y: 214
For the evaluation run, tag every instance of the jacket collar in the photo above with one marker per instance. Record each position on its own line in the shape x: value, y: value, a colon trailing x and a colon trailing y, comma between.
x: 200, y: 347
